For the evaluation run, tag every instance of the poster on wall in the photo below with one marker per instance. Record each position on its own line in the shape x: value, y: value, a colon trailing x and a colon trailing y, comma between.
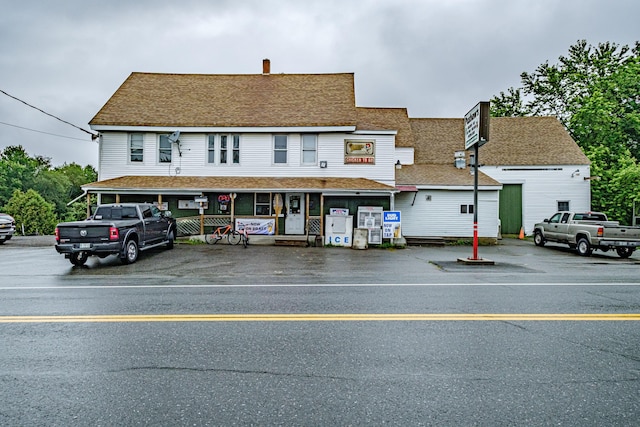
x: 359, y: 152
x: 256, y: 225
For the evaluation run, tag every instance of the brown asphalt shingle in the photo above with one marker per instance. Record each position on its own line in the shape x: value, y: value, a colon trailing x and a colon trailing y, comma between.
x: 395, y: 119
x: 513, y: 141
x: 226, y: 183
x: 215, y: 100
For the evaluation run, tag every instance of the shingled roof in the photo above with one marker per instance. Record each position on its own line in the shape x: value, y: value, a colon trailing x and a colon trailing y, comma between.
x: 218, y: 100
x: 395, y: 119
x: 513, y: 141
x: 440, y: 176
x: 233, y: 183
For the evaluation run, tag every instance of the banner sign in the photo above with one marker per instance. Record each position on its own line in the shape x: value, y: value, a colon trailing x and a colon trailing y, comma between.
x: 256, y: 225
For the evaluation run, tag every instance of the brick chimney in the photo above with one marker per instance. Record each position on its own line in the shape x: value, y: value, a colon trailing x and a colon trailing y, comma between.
x: 266, y: 67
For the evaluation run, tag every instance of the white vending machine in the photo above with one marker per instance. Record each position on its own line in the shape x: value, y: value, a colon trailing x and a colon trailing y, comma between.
x: 370, y: 217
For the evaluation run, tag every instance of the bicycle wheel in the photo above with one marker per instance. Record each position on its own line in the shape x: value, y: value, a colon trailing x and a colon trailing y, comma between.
x: 234, y: 237
x: 211, y: 238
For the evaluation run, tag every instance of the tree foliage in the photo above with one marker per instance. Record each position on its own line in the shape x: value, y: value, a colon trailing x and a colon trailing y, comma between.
x: 595, y: 92
x: 22, y: 174
x: 33, y: 214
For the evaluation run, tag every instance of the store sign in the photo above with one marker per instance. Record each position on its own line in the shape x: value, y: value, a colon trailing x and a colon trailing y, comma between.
x: 256, y: 225
x: 359, y: 152
x: 391, y: 225
x: 476, y: 125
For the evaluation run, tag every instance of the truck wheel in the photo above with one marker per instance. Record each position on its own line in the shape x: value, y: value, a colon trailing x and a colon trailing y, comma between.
x: 624, y: 252
x: 79, y: 258
x: 130, y: 252
x: 170, y: 240
x: 584, y: 248
x: 538, y: 239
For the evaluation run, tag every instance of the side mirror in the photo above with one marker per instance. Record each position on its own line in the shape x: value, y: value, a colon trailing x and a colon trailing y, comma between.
x: 167, y: 214
x: 546, y: 220
x: 97, y: 217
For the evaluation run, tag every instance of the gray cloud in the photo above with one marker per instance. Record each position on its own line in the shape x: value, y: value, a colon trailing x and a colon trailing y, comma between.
x: 437, y: 58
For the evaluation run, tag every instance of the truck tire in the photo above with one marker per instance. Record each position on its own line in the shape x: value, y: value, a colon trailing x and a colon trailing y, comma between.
x: 584, y: 247
x: 79, y: 258
x: 130, y: 252
x: 624, y: 252
x: 538, y: 239
x: 170, y: 240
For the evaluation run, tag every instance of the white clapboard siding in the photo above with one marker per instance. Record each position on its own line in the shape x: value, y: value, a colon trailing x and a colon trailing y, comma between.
x: 436, y: 213
x: 256, y: 157
x: 543, y: 187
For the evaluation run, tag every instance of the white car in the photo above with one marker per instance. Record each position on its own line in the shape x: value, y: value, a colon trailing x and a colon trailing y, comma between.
x: 7, y: 227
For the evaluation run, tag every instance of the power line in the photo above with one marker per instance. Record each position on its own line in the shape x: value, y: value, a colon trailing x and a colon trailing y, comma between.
x: 93, y: 135
x: 39, y: 131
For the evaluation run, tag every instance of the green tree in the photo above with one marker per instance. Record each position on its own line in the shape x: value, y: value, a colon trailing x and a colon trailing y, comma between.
x: 594, y: 92
x: 18, y: 170
x: 33, y: 214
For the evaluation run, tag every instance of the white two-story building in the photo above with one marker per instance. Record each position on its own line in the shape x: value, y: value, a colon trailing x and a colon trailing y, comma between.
x: 282, y: 150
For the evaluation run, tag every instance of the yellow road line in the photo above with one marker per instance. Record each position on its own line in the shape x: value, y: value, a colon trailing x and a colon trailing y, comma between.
x: 364, y: 317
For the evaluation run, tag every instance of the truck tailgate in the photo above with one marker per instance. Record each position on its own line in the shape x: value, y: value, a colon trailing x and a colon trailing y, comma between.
x: 84, y: 233
x: 622, y: 233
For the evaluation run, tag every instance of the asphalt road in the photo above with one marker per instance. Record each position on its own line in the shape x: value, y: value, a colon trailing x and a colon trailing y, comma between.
x: 219, y: 335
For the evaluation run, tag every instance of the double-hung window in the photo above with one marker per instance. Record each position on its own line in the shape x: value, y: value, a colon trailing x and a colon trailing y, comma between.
x: 223, y: 149
x: 164, y: 149
x: 309, y: 149
x: 211, y: 149
x: 136, y: 147
x: 280, y: 149
x: 263, y: 204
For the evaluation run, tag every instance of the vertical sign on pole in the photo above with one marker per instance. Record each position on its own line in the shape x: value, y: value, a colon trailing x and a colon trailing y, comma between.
x: 476, y: 134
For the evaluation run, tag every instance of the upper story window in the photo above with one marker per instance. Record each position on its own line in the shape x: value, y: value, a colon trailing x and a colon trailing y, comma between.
x: 211, y: 149
x: 309, y: 149
x: 280, y: 149
x: 136, y: 147
x: 164, y: 149
x: 225, y: 149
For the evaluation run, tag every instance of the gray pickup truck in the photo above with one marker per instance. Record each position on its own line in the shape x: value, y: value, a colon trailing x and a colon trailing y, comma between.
x: 116, y: 229
x: 586, y: 232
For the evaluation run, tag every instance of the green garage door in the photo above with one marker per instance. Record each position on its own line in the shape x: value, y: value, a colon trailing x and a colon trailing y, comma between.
x: 511, y: 208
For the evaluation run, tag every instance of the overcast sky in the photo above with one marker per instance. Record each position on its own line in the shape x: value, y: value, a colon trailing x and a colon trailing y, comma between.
x: 437, y: 58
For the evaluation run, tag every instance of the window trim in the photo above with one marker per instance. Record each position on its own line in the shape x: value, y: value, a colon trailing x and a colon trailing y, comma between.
x: 227, y: 144
x: 268, y: 205
x: 211, y: 152
x: 130, y: 153
x: 314, y: 150
x: 159, y: 150
x: 280, y: 150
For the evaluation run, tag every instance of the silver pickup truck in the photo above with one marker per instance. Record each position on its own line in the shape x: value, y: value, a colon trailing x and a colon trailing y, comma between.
x: 586, y: 232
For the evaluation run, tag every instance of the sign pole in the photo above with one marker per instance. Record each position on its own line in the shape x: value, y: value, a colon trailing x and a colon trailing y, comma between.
x: 475, y: 201
x: 476, y: 134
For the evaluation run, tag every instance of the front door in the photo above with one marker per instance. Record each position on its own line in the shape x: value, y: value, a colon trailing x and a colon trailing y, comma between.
x: 294, y: 221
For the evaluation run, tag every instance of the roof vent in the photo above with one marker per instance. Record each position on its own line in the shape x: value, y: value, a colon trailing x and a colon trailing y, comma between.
x: 266, y: 67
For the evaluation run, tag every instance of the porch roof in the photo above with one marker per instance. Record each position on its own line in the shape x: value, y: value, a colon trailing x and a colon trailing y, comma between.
x: 199, y: 184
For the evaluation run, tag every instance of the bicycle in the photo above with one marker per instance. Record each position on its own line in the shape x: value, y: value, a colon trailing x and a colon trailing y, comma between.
x: 233, y: 236
x: 244, y: 236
